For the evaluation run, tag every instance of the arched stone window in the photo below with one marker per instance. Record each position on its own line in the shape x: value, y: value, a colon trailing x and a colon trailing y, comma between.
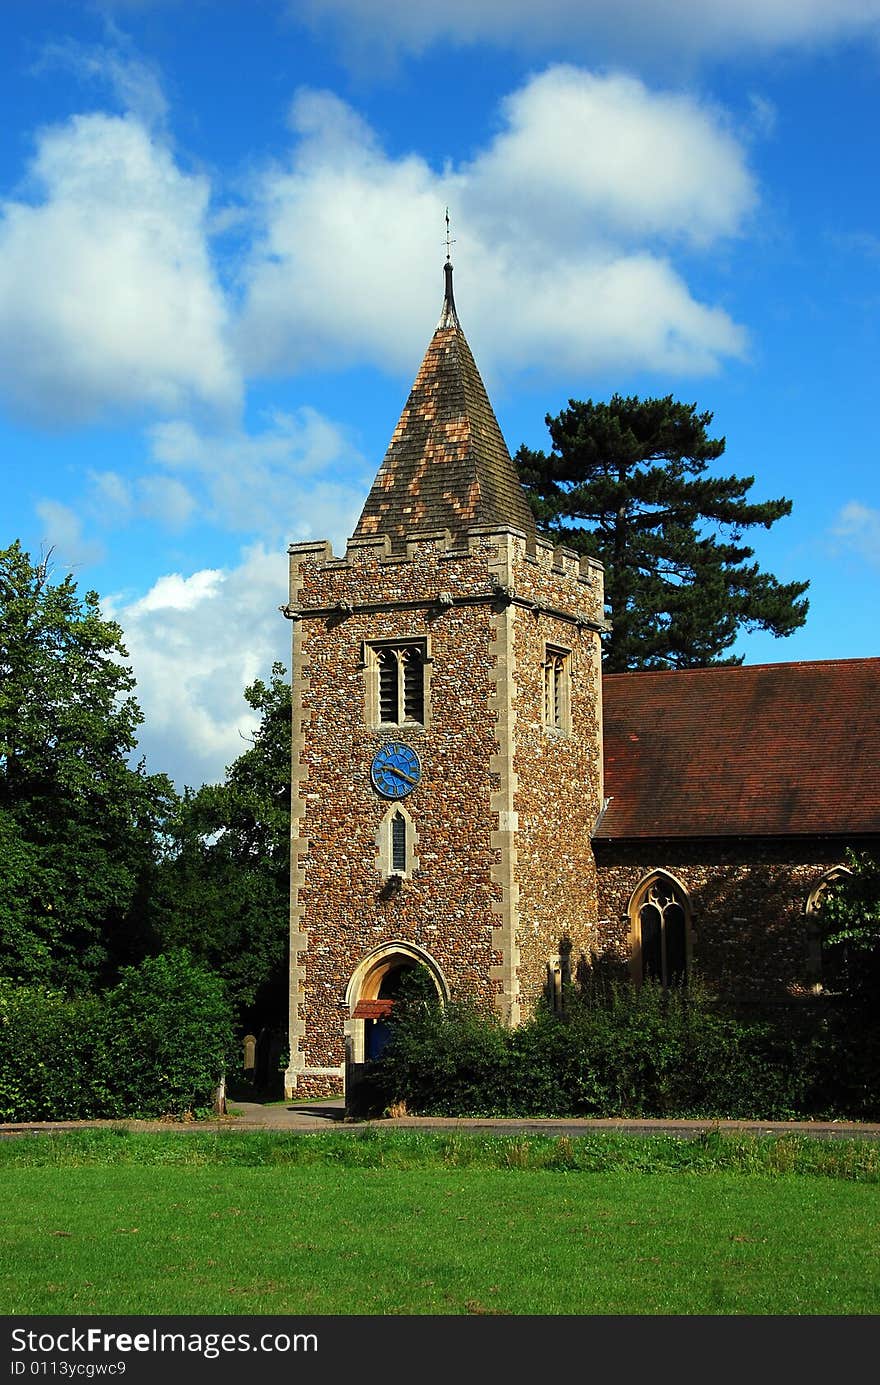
x: 557, y: 689
x: 824, y: 964
x: 660, y: 931
x: 396, y: 841
x: 397, y: 682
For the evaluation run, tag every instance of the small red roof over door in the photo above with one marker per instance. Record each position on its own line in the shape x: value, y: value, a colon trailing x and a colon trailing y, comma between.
x: 373, y: 1009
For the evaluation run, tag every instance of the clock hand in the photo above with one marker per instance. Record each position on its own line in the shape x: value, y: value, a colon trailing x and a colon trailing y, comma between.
x: 403, y: 774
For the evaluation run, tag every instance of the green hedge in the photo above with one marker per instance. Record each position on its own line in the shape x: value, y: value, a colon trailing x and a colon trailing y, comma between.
x: 628, y: 1053
x: 156, y: 1044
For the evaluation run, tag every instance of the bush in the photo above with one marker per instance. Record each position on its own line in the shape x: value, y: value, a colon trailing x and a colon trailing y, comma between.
x: 618, y: 1051
x: 448, y: 1057
x: 850, y: 1066
x: 173, y: 1035
x: 53, y: 1056
x: 156, y: 1044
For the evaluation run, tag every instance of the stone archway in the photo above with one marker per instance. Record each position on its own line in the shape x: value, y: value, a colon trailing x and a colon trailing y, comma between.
x: 372, y: 990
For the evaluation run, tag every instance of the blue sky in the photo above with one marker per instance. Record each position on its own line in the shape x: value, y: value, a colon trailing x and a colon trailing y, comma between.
x: 221, y: 248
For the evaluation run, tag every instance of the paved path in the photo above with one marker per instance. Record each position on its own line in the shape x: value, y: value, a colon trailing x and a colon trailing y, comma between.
x: 326, y: 1115
x: 330, y: 1115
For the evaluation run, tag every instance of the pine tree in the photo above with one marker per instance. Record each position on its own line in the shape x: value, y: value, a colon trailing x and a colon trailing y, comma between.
x: 626, y: 482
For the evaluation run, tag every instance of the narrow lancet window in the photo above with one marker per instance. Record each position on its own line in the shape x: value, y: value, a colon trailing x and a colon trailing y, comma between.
x: 398, y: 842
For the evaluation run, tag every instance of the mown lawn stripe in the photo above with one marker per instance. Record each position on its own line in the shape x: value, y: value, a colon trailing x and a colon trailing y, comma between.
x: 326, y: 1238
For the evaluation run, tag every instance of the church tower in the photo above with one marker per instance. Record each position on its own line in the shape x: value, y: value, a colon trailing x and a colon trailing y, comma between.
x: 446, y: 756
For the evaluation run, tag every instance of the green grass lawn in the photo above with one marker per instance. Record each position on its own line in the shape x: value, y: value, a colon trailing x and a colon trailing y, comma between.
x: 109, y: 1222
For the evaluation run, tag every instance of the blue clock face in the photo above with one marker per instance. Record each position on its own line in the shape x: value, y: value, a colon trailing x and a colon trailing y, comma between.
x: 395, y: 770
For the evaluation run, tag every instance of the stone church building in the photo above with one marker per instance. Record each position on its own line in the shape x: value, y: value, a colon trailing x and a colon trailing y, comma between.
x: 470, y: 796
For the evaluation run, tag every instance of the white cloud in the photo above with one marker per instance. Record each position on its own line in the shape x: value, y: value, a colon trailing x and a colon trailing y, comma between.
x: 566, y: 224
x: 676, y: 28
x: 300, y: 477
x: 617, y: 159
x: 134, y: 82
x: 108, y: 300
x: 177, y: 593
x: 764, y: 116
x: 629, y: 311
x: 857, y: 530
x: 167, y: 500
x: 110, y: 501
x: 283, y: 482
x: 340, y: 271
x: 63, y: 532
x: 195, y: 642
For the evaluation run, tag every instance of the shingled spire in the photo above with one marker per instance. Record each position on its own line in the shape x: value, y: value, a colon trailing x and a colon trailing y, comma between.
x: 447, y: 465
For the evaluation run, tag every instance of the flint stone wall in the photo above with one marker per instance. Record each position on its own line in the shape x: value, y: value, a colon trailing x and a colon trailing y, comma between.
x: 750, y: 934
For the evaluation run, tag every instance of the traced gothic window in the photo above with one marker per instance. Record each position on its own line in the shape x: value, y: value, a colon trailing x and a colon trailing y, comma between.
x: 557, y: 689
x: 397, y: 691
x: 660, y: 929
x: 827, y: 963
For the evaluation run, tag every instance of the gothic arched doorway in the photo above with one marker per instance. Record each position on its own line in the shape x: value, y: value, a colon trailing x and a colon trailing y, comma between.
x: 374, y: 987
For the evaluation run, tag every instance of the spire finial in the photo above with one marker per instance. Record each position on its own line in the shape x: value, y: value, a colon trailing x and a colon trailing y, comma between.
x: 449, y: 317
x: 449, y: 240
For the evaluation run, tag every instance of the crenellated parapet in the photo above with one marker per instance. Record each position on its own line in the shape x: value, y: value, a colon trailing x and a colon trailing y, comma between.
x: 498, y: 565
x: 378, y: 548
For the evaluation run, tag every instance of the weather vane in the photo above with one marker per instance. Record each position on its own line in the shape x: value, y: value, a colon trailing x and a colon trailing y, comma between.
x: 449, y: 240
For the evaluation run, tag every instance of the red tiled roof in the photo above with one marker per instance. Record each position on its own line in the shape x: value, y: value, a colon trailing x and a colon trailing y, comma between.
x: 767, y: 750
x: 447, y: 465
x: 373, y: 1009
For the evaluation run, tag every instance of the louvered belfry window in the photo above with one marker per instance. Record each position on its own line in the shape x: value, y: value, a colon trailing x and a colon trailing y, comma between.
x: 389, y: 685
x: 401, y: 683
x: 413, y: 678
x: 556, y: 689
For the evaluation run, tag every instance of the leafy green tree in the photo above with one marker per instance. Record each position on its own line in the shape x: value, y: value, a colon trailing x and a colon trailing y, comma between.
x: 851, y: 925
x: 224, y: 885
x: 78, y: 824
x: 626, y: 482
